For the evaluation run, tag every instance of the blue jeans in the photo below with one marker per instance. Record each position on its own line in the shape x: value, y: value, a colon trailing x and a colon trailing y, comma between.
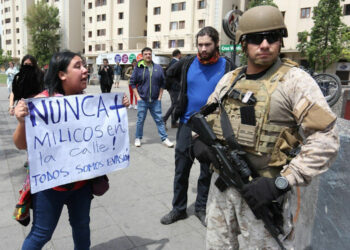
x: 47, y: 208
x: 155, y: 108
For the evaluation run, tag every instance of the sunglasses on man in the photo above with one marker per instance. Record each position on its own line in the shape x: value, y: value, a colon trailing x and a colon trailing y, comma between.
x: 258, y: 38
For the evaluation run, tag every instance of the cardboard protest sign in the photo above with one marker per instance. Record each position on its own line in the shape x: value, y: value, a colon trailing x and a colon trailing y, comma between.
x: 72, y: 138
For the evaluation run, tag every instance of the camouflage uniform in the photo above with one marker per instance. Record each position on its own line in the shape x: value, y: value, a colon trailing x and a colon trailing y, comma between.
x: 297, y: 101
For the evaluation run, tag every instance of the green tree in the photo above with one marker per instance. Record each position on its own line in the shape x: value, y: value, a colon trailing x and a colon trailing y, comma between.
x: 327, y: 40
x: 4, y: 59
x: 254, y: 3
x: 43, y: 23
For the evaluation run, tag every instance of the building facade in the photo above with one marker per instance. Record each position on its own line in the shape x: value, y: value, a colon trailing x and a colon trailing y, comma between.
x: 15, y: 37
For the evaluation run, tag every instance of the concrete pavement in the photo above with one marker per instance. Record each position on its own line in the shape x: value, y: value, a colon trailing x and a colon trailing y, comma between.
x: 128, y: 215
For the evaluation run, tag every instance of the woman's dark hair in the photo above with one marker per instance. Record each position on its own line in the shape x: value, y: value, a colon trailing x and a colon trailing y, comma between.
x: 29, y: 81
x: 59, y: 62
x: 211, y: 32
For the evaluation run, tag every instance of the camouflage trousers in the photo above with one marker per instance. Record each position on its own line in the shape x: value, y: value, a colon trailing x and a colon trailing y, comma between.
x: 232, y: 225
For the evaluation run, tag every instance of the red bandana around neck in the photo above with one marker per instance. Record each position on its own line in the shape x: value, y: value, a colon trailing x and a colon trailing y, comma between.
x: 212, y: 60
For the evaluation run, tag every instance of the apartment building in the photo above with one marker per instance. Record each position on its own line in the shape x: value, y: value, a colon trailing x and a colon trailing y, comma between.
x: 174, y: 24
x: 72, y: 18
x: 14, y: 31
x: 15, y: 37
x: 114, y: 26
x: 298, y: 17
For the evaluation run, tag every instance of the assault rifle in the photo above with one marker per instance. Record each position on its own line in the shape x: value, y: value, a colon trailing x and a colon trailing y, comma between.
x: 235, y: 171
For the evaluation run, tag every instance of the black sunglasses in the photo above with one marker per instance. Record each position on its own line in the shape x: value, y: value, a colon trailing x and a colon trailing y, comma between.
x: 258, y: 38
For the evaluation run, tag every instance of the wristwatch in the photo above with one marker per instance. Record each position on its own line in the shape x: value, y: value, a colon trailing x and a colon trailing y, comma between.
x: 281, y: 183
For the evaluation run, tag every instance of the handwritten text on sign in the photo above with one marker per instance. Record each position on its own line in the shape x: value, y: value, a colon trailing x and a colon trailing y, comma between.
x: 72, y: 138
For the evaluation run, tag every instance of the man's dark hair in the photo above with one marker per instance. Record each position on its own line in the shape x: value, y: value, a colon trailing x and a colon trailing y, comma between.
x: 176, y: 52
x: 146, y: 49
x: 105, y: 60
x: 211, y: 32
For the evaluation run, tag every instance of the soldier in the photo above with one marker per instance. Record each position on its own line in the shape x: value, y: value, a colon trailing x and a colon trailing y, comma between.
x: 288, y: 104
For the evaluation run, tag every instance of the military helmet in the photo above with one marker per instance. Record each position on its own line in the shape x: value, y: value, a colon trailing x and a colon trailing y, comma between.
x: 260, y: 19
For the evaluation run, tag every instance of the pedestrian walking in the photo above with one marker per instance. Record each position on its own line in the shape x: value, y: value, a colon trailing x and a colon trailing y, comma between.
x: 106, y: 76
x: 147, y: 82
x: 173, y: 87
x: 117, y: 74
x: 199, y: 76
x: 10, y: 72
x: 128, y: 74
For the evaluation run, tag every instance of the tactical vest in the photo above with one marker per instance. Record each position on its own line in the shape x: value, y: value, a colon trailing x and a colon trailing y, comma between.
x: 263, y: 137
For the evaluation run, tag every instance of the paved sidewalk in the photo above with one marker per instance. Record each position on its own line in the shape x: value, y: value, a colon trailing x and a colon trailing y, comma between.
x: 128, y: 215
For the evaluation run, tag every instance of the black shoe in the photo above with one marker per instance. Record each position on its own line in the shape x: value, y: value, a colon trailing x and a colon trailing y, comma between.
x: 172, y: 217
x: 201, y: 216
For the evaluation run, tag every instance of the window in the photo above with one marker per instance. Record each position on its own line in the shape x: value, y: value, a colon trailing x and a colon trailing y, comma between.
x: 90, y: 34
x: 98, y: 18
x: 97, y: 47
x: 201, y: 4
x: 181, y: 24
x: 17, y: 8
x: 17, y: 30
x: 17, y: 19
x: 111, y: 48
x: 120, y: 1
x: 100, y: 2
x: 7, y: 20
x: 90, y: 19
x: 305, y: 13
x: 121, y: 15
x: 146, y: 19
x: 120, y: 46
x: 83, y: 13
x: 90, y: 5
x: 173, y: 26
x: 101, y: 32
x: 178, y: 6
x: 103, y: 17
x: 283, y: 13
x: 90, y: 47
x: 8, y: 31
x: 156, y: 11
x: 18, y: 52
x: 145, y: 33
x: 180, y: 43
x: 157, y: 27
x: 7, y: 9
x: 120, y: 31
x: 18, y: 41
x: 156, y: 45
x: 201, y: 23
x: 8, y: 42
x: 103, y: 47
x: 172, y: 43
x: 346, y: 9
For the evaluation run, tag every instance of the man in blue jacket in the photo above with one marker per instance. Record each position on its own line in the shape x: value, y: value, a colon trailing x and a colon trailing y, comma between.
x: 149, y: 78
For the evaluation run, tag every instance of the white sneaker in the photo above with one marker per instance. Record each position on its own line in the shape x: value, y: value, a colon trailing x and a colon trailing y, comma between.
x: 168, y: 143
x: 130, y: 106
x: 137, y: 142
x: 135, y: 106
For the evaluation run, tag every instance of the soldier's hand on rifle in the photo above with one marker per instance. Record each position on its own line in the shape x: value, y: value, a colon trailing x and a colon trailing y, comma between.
x: 203, y: 153
x: 262, y: 191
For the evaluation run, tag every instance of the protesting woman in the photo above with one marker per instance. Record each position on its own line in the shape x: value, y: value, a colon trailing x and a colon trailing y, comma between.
x: 28, y: 82
x: 67, y: 75
x: 10, y: 72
